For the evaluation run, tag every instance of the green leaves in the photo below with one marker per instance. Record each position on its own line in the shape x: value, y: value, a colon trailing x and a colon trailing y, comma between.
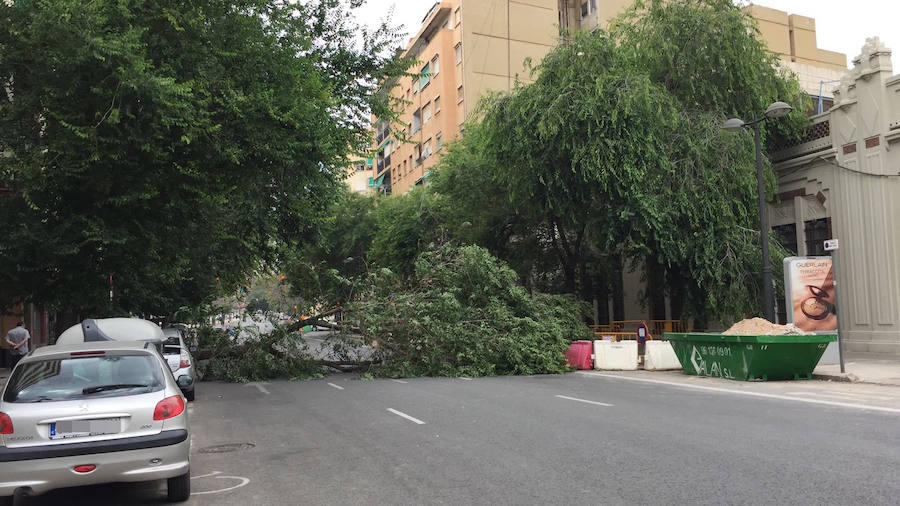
x: 172, y: 144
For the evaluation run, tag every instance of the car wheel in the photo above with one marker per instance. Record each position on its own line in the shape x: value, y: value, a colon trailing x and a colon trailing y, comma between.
x: 179, y: 488
x: 189, y: 395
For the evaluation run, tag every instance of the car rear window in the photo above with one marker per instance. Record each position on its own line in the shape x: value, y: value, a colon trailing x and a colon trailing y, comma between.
x: 172, y: 341
x: 84, y: 378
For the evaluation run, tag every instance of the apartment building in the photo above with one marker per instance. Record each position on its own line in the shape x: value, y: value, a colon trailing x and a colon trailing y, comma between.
x: 465, y: 48
x: 791, y: 36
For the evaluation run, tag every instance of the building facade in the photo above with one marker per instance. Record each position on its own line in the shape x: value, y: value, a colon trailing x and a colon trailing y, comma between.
x: 843, y: 181
x: 465, y: 49
x: 793, y: 38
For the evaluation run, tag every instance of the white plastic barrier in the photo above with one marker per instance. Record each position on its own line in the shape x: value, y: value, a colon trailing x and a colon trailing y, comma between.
x: 617, y: 356
x: 660, y: 356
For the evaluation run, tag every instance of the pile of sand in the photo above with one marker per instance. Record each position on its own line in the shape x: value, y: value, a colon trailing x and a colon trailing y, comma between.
x: 762, y: 327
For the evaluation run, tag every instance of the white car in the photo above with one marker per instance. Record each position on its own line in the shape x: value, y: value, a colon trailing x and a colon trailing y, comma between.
x: 180, y: 361
x: 94, y: 412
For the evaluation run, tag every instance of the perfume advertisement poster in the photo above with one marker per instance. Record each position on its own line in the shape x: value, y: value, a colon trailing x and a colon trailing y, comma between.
x: 810, y: 293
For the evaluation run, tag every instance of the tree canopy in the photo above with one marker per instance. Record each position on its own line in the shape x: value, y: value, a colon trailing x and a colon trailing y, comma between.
x: 174, y: 147
x: 614, y: 155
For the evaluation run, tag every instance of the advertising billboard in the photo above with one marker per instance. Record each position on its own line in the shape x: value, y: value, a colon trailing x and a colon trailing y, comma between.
x: 809, y: 293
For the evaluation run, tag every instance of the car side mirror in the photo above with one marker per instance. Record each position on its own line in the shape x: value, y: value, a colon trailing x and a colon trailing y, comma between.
x: 185, y: 381
x: 193, y: 349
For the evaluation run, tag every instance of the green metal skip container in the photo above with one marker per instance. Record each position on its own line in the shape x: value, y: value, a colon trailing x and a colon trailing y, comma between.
x: 749, y: 358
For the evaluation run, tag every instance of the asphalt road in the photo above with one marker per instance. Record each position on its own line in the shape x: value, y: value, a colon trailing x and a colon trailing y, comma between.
x: 582, y: 438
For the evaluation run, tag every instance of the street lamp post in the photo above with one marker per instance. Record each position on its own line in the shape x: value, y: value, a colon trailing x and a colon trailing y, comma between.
x: 776, y: 110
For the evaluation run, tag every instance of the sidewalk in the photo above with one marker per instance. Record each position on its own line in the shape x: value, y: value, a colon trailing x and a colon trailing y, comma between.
x: 862, y: 368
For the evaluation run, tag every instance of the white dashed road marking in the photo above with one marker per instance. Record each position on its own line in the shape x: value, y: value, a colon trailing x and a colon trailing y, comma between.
x: 336, y: 386
x: 584, y: 400
x: 404, y: 415
x: 258, y: 385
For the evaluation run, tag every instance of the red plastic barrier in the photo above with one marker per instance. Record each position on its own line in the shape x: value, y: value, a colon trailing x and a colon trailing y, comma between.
x: 579, y: 354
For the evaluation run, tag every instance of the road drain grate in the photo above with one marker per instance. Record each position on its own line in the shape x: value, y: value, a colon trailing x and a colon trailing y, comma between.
x: 227, y: 448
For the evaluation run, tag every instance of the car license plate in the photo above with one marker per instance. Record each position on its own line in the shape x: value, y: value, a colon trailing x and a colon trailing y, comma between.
x: 81, y: 428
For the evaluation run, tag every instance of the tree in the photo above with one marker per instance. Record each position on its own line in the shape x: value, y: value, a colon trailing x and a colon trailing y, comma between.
x: 176, y: 147
x: 325, y: 269
x: 614, y: 154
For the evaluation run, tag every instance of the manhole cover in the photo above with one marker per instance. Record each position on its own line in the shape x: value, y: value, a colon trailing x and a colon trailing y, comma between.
x: 227, y: 448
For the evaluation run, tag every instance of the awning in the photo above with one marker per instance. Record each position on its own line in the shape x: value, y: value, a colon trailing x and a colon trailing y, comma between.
x: 423, y: 177
x: 379, y: 180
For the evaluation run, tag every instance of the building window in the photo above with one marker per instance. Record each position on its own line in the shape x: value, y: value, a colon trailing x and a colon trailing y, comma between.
x: 415, y: 86
x: 416, y: 122
x: 418, y: 153
x: 458, y: 51
x: 435, y: 65
x: 787, y: 236
x: 424, y: 77
x: 459, y: 94
x: 426, y: 113
x: 437, y: 104
x: 438, y: 141
x: 584, y: 9
x: 593, y: 5
x: 816, y: 231
x: 426, y: 150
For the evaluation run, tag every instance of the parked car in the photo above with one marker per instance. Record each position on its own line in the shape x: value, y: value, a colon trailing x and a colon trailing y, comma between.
x: 181, y: 363
x: 98, y: 411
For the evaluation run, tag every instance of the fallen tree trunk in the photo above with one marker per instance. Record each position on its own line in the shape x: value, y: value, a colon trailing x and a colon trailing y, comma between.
x: 313, y: 320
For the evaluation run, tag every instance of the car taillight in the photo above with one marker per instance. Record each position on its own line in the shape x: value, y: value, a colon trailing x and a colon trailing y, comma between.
x: 168, y: 408
x: 84, y: 468
x: 5, y: 424
x: 184, y: 360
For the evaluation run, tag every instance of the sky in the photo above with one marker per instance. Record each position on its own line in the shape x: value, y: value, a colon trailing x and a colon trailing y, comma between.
x: 841, y: 25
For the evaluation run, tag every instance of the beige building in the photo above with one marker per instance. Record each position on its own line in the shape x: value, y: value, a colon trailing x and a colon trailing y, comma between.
x: 791, y: 36
x: 359, y: 179
x: 465, y: 49
x: 843, y: 181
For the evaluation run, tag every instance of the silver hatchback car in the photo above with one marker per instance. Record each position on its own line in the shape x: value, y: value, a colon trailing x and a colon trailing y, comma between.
x: 92, y: 413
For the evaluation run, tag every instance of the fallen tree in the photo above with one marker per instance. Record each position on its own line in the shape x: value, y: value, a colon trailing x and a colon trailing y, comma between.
x: 463, y: 313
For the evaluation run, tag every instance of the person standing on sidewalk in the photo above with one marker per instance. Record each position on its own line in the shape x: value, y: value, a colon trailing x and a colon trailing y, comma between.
x: 17, y: 339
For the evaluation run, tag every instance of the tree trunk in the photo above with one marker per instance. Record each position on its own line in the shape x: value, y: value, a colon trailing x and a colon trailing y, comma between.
x: 618, y: 291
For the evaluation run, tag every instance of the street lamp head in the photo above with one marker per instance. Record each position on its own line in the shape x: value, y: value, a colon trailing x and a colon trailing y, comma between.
x: 778, y: 110
x: 733, y: 124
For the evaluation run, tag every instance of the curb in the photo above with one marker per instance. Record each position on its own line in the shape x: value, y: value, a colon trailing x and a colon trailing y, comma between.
x: 850, y: 378
x: 845, y: 377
